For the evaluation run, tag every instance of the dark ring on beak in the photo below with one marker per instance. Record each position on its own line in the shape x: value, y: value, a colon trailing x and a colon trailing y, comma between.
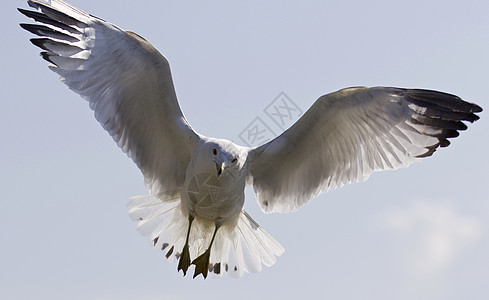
x: 219, y: 168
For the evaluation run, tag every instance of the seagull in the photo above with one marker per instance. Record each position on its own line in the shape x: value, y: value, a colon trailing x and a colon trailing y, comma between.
x: 194, y: 209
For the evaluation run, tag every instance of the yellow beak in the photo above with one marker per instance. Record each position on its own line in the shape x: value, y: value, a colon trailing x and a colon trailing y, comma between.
x: 220, y: 168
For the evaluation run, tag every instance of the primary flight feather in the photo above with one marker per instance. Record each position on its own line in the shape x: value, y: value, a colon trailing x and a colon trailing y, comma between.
x: 194, y: 212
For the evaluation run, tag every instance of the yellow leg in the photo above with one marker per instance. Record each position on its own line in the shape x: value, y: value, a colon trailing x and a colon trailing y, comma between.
x: 202, y: 262
x: 184, y: 261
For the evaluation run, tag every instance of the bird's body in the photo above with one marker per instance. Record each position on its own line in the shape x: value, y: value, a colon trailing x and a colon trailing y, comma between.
x: 214, y: 190
x: 194, y: 212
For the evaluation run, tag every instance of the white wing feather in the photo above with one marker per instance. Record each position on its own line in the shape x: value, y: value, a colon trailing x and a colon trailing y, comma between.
x: 128, y: 85
x: 347, y: 135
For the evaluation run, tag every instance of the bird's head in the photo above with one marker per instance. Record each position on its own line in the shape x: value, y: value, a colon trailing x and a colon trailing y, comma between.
x: 221, y: 157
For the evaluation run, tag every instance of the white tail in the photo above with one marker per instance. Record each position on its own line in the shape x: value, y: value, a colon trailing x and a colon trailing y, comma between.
x: 237, y: 249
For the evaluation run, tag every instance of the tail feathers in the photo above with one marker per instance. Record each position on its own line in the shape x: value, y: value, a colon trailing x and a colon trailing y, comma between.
x: 163, y: 221
x: 243, y: 248
x: 238, y: 249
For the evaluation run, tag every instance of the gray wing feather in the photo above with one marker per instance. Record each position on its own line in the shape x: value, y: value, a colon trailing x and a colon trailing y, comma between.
x: 127, y: 83
x: 347, y: 135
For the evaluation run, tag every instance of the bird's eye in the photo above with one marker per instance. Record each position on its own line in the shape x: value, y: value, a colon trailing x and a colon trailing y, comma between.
x: 234, y: 160
x: 214, y: 151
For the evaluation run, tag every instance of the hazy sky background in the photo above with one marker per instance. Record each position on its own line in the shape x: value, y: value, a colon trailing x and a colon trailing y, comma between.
x: 416, y: 233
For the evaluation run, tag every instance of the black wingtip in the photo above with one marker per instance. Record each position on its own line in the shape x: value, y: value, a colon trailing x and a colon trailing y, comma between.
x: 428, y: 153
x: 443, y: 112
x: 444, y: 143
x: 45, y: 19
x: 472, y: 117
x: 26, y: 27
x: 477, y: 108
x: 54, y: 14
x: 47, y: 57
x: 30, y: 13
x: 32, y: 4
x: 444, y: 105
x: 23, y: 11
x: 39, y: 43
x: 45, y: 31
x: 442, y: 99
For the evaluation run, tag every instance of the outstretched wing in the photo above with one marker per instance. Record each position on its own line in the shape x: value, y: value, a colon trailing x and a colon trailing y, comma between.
x: 347, y: 135
x: 127, y: 83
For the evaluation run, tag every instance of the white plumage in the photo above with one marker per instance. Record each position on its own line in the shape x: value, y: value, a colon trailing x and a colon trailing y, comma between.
x: 194, y: 212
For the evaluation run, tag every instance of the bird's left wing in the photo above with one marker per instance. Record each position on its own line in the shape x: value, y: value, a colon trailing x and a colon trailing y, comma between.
x: 347, y: 135
x: 127, y: 83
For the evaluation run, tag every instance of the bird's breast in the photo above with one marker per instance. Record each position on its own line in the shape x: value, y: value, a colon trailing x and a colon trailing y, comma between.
x: 213, y: 198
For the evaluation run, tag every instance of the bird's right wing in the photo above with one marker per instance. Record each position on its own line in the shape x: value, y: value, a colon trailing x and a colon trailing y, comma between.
x: 127, y: 83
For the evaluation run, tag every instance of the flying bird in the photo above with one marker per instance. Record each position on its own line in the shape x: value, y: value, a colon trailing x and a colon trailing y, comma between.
x: 194, y: 210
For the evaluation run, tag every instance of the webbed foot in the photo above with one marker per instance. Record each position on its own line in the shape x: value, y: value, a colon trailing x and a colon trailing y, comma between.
x: 202, y: 264
x: 184, y: 261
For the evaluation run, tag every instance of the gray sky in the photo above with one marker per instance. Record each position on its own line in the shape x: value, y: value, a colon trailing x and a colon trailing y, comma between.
x: 416, y: 233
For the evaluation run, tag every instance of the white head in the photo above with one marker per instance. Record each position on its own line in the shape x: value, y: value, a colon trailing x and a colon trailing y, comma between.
x: 220, y: 157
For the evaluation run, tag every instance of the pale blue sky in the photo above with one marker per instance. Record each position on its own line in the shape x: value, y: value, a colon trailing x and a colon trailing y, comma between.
x: 416, y: 233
